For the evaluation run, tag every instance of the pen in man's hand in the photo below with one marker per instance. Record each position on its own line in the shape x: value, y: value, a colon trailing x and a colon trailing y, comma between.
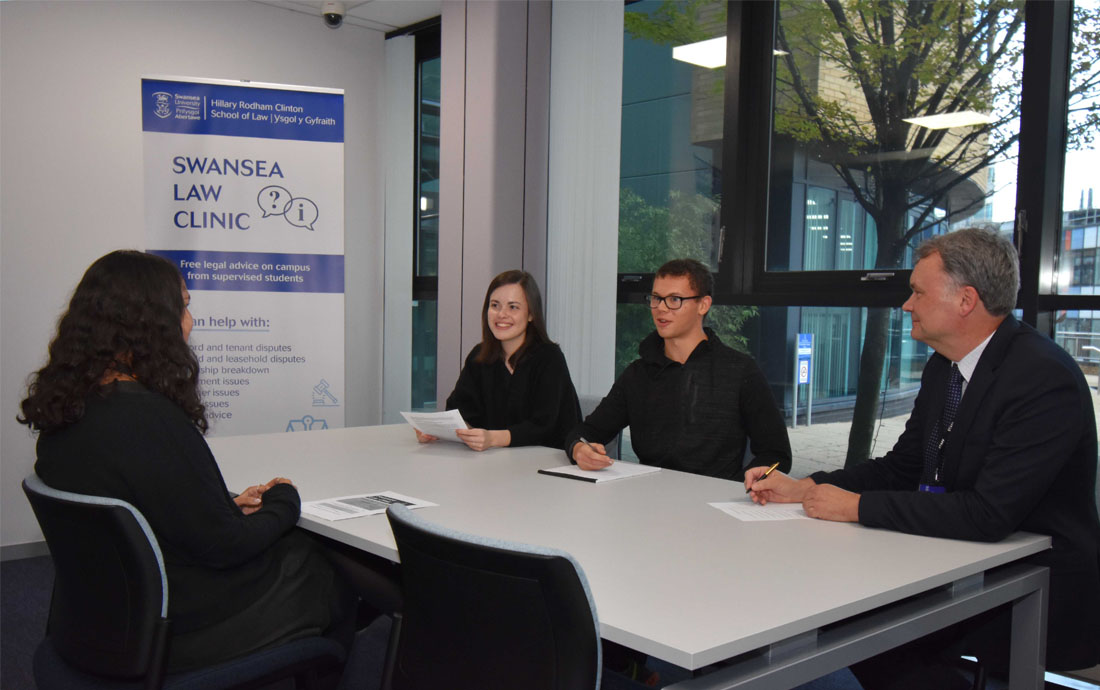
x: 763, y: 476
x: 583, y: 440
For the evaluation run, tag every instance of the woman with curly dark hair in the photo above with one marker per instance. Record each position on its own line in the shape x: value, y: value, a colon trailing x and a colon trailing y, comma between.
x: 118, y: 415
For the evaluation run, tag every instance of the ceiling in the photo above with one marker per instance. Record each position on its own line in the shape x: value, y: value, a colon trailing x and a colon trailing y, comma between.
x: 381, y: 15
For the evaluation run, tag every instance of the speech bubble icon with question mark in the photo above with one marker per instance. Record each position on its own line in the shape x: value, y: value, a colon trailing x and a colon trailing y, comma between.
x: 302, y: 212
x: 273, y: 200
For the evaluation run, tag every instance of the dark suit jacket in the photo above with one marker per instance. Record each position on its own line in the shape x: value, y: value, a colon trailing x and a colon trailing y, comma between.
x: 1022, y: 456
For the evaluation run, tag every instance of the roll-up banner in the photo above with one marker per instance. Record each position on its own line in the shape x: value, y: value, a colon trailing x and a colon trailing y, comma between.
x: 244, y: 192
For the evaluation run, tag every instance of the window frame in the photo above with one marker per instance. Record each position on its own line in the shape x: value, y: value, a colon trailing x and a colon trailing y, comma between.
x: 742, y: 277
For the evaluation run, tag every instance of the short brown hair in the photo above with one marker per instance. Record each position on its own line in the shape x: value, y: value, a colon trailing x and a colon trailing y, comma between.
x: 702, y: 282
x: 982, y: 259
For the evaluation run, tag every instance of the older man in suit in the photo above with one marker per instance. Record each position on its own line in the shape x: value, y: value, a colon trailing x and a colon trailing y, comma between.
x: 1002, y: 438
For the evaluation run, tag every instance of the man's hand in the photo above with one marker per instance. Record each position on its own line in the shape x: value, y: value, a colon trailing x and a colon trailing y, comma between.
x: 591, y: 456
x: 424, y: 438
x: 777, y: 487
x: 483, y: 439
x: 827, y: 502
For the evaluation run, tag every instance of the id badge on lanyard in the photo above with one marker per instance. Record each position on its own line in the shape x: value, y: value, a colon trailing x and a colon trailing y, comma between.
x: 938, y: 488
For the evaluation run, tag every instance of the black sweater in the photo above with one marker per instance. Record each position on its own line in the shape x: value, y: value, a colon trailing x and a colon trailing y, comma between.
x: 694, y: 416
x: 537, y: 403
x: 138, y: 446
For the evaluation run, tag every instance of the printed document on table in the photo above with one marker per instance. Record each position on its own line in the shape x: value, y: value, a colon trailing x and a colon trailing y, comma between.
x: 442, y: 425
x: 747, y: 511
x: 344, y: 507
x: 617, y: 470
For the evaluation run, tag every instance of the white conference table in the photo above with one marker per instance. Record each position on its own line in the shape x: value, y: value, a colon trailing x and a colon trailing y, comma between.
x: 786, y: 601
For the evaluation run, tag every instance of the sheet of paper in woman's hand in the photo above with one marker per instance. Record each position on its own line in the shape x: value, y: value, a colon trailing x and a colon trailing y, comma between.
x: 442, y: 425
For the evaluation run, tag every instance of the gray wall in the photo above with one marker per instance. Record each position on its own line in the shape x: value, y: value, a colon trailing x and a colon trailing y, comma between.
x: 71, y: 180
x: 530, y: 172
x: 71, y: 171
x: 493, y: 161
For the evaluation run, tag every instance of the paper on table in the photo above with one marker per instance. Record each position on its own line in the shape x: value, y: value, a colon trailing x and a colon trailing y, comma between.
x: 442, y: 425
x: 617, y: 470
x: 747, y: 511
x: 344, y: 507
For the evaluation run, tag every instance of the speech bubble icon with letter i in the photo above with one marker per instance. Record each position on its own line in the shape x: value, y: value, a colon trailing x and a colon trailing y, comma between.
x: 273, y: 200
x: 302, y: 212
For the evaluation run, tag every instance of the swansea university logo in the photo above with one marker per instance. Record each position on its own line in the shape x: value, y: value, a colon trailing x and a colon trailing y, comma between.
x: 162, y: 101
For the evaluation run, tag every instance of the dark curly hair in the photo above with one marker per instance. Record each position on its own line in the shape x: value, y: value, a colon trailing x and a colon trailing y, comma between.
x: 124, y: 316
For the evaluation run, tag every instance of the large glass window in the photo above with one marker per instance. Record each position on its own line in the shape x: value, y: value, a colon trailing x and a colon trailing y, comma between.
x: 823, y: 411
x: 852, y: 131
x: 671, y: 153
x: 1076, y: 251
x: 1078, y: 332
x: 903, y: 111
x: 426, y: 229
x: 671, y: 160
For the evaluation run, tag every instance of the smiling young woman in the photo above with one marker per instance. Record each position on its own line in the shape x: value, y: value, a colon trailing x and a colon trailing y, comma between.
x: 514, y: 389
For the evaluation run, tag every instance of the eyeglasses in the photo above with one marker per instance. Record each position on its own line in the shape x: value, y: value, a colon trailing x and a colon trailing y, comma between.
x: 672, y: 301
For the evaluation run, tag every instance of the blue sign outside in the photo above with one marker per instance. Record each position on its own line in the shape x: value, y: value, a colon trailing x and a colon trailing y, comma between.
x: 805, y: 353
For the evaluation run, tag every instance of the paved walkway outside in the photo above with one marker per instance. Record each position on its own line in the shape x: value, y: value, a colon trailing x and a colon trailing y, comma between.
x: 824, y: 446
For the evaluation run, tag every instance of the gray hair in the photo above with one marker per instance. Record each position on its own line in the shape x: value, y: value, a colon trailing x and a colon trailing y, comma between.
x: 982, y: 259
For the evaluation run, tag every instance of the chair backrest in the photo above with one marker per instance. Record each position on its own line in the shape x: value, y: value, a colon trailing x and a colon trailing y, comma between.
x: 110, y: 597
x: 589, y: 403
x: 483, y: 613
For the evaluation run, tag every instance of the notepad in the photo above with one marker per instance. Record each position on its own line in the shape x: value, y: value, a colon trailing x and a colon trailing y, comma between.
x: 617, y: 470
x: 747, y: 511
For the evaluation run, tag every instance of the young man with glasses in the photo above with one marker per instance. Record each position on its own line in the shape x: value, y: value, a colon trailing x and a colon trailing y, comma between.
x: 691, y: 402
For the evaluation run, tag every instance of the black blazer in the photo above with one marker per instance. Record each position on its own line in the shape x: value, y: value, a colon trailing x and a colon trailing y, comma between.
x: 1022, y: 456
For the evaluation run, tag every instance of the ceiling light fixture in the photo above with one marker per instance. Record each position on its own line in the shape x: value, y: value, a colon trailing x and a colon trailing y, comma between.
x: 963, y: 118
x: 710, y: 53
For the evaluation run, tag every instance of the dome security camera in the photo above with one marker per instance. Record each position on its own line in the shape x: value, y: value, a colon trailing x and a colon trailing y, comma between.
x: 333, y: 14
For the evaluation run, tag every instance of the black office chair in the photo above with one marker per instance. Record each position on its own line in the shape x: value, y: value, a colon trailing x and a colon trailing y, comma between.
x: 108, y: 625
x: 483, y: 613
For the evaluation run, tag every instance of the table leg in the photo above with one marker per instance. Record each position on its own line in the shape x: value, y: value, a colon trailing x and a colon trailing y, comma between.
x: 1029, y: 639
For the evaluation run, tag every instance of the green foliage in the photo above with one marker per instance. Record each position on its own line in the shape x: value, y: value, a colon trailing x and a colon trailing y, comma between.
x: 1084, y: 88
x: 632, y: 324
x: 673, y: 23
x: 856, y: 70
x: 650, y: 235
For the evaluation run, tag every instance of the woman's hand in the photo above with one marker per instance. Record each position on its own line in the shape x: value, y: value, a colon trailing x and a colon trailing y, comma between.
x: 251, y: 499
x: 424, y: 438
x: 483, y: 439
